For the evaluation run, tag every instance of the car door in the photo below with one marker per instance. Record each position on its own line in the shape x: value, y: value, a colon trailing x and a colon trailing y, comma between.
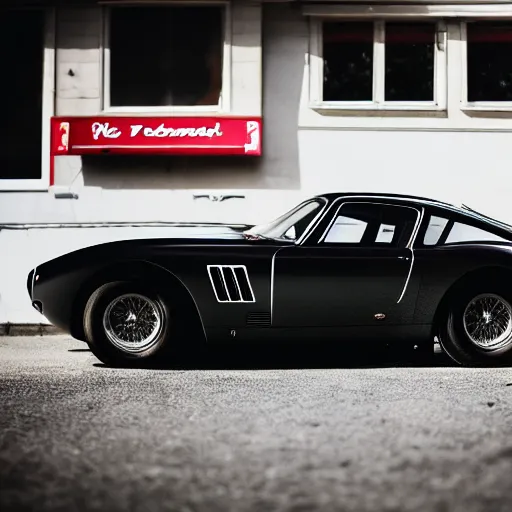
x: 353, y: 271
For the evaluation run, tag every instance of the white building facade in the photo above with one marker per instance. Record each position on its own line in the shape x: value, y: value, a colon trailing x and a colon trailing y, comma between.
x: 409, y: 97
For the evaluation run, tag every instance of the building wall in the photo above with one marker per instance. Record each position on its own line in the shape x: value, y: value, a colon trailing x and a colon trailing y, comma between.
x: 458, y: 156
x: 162, y: 188
x: 79, y: 49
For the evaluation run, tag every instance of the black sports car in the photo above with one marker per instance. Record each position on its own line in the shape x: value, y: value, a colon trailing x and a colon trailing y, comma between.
x: 338, y: 266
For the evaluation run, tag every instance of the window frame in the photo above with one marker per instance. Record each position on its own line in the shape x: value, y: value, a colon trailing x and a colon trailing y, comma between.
x: 323, y: 203
x: 43, y: 183
x: 321, y: 239
x: 453, y: 218
x: 224, y: 105
x: 477, y: 106
x: 316, y: 70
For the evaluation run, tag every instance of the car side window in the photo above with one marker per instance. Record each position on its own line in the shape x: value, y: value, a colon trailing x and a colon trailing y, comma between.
x: 464, y: 233
x: 346, y: 230
x: 434, y: 230
x: 371, y: 225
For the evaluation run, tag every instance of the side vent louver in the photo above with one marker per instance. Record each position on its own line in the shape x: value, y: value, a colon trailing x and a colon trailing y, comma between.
x: 231, y: 283
x: 258, y: 320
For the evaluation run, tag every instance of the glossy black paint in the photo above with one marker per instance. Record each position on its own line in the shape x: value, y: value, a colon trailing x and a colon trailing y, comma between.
x: 361, y: 282
x: 304, y: 290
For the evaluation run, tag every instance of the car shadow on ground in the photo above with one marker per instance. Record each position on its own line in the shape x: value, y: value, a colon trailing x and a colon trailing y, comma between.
x: 299, y: 357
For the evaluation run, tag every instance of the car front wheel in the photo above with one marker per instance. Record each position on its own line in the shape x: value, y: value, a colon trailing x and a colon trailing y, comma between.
x: 127, y: 324
x: 478, y: 327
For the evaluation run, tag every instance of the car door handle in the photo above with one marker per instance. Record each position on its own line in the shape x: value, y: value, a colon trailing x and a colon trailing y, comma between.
x: 406, y: 258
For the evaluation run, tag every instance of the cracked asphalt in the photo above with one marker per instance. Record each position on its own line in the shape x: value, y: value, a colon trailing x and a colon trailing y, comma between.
x: 249, y: 432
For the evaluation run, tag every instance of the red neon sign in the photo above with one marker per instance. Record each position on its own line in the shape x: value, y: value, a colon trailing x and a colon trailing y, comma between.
x: 156, y: 135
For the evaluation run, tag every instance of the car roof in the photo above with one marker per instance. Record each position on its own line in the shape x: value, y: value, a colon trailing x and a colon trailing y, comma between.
x: 402, y: 197
x: 421, y: 201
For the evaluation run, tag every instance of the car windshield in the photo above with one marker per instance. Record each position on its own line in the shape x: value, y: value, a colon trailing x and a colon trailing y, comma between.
x: 290, y: 226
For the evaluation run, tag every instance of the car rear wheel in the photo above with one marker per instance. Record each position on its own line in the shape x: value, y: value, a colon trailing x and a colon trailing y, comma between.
x: 128, y: 324
x: 478, y: 327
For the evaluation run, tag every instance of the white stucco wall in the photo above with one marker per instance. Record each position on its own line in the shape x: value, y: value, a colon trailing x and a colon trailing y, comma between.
x: 458, y: 156
x: 457, y: 167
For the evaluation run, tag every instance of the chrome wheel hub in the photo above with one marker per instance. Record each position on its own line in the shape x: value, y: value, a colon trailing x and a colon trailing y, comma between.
x: 488, y: 321
x: 133, y: 322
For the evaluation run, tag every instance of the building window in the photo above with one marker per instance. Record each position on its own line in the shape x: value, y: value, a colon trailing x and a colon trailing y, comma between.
x: 409, y: 72
x: 163, y: 57
x: 348, y: 62
x: 488, y: 63
x: 23, y: 146
x: 380, y: 65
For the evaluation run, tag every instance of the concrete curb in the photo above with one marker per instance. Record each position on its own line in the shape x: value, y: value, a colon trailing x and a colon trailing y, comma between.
x: 29, y: 330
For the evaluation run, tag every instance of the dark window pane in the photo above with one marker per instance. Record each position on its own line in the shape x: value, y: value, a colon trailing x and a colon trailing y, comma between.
x: 21, y: 54
x: 409, y: 62
x: 348, y: 61
x: 489, y: 62
x: 165, y: 56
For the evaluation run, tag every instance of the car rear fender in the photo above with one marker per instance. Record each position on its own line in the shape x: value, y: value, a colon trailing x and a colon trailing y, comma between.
x: 501, y: 274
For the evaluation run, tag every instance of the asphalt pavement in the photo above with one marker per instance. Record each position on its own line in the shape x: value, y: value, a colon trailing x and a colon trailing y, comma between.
x: 250, y: 432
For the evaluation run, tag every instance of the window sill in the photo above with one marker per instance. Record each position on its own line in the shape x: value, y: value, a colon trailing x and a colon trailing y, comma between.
x: 372, y: 109
x: 487, y: 107
x: 23, y: 186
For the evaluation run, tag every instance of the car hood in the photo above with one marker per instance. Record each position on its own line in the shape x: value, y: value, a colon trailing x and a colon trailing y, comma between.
x: 193, y: 231
x: 154, y: 237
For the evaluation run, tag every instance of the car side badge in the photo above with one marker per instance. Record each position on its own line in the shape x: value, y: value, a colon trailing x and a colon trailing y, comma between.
x: 379, y: 316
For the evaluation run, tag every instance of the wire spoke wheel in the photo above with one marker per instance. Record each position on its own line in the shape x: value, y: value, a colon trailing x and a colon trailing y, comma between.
x: 133, y: 322
x: 488, y: 321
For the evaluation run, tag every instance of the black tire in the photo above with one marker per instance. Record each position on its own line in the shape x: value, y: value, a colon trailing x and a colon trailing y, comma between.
x: 101, y: 334
x: 454, y: 337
